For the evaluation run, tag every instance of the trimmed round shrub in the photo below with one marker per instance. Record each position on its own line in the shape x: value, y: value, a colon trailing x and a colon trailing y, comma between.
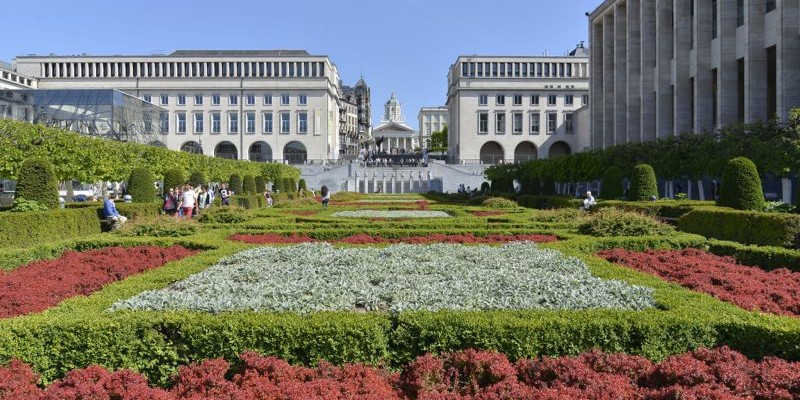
x: 140, y: 185
x: 173, y: 178
x: 549, y: 186
x: 499, y: 202
x: 643, y: 183
x: 261, y: 184
x: 286, y: 186
x: 613, y: 222
x: 741, y: 186
x: 292, y: 186
x: 235, y: 184
x: 279, y: 185
x: 301, y: 185
x: 37, y: 182
x: 249, y: 184
x: 198, y: 178
x: 612, y: 184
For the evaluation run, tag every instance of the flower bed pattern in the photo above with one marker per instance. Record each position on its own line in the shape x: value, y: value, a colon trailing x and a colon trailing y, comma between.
x: 464, y: 375
x: 391, y: 214
x: 751, y: 288
x: 43, y: 284
x: 487, y: 213
x: 319, y: 277
x: 272, y: 238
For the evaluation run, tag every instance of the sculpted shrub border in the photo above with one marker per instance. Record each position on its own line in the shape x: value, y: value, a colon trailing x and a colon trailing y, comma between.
x: 273, y: 238
x: 43, y: 284
x: 463, y: 375
x: 776, y: 291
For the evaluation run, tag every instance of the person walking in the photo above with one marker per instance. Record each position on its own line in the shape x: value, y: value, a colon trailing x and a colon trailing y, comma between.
x: 187, y: 202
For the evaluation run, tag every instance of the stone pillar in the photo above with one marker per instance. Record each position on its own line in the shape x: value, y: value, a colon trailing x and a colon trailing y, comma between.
x: 430, y: 178
x: 755, y: 70
x: 664, y: 51
x: 701, y: 192
x: 366, y: 182
x: 383, y: 183
x: 374, y: 181
x: 727, y: 93
x: 683, y: 89
x: 420, y: 182
x: 596, y: 104
x: 786, y: 190
x: 609, y: 136
x: 701, y: 69
x: 788, y: 57
x: 410, y: 182
x: 402, y: 178
x: 621, y: 71
x: 393, y: 180
x: 634, y: 73
x: 648, y: 64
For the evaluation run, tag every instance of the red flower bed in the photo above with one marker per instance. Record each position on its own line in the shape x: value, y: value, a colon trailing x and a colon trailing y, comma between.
x: 363, y: 238
x: 40, y: 285
x: 752, y: 288
x: 487, y: 213
x: 303, y: 213
x: 463, y: 375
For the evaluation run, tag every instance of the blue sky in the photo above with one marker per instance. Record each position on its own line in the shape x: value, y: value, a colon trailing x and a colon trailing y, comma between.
x: 402, y: 46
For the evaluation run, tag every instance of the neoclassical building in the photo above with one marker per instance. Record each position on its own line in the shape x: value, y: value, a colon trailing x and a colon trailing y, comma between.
x: 431, y: 119
x: 515, y: 109
x: 261, y: 105
x: 396, y: 135
x: 666, y: 67
x: 15, y: 104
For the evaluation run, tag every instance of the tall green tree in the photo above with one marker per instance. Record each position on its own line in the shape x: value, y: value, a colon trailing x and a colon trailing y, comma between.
x: 439, y: 140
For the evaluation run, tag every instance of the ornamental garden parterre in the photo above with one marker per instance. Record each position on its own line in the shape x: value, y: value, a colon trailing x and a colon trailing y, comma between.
x: 401, y: 297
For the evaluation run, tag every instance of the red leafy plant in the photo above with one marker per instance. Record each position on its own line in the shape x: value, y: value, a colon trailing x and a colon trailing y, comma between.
x: 272, y: 238
x: 487, y: 213
x: 776, y: 291
x: 462, y: 375
x: 42, y: 284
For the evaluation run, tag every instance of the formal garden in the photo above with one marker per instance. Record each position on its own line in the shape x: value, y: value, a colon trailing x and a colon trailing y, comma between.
x: 500, y: 295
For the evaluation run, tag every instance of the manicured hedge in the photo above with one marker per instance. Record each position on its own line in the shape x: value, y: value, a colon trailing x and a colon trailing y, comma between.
x: 248, y: 201
x: 661, y: 208
x: 643, y: 183
x: 37, y: 182
x: 765, y: 257
x: 548, y: 202
x: 741, y: 186
x: 747, y: 227
x: 31, y: 228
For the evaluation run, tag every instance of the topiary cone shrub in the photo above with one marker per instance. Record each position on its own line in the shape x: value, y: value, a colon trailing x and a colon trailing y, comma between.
x: 235, y: 184
x: 173, y: 178
x: 643, y: 183
x: 140, y: 185
x: 301, y: 185
x: 198, y: 178
x: 741, y: 186
x: 292, y: 186
x: 37, y: 182
x: 249, y: 184
x: 261, y: 184
x: 611, y: 187
x: 279, y: 185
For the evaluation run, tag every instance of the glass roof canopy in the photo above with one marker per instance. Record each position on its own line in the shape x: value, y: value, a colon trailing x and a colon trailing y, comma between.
x: 106, y: 113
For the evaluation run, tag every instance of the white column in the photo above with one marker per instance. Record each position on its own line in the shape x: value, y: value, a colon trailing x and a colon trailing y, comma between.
x: 420, y: 182
x: 786, y: 186
x: 374, y: 181
x: 700, y: 190
x: 410, y: 182
x: 430, y: 178
x: 366, y: 182
x: 383, y: 184
x: 402, y: 177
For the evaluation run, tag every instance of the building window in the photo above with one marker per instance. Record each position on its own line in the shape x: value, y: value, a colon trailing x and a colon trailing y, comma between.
x: 552, y: 120
x: 251, y: 99
x: 585, y: 99
x: 233, y: 100
x: 164, y: 100
x: 302, y: 99
x: 181, y: 118
x: 198, y: 123
x: 501, y: 100
x: 483, y: 100
x: 535, y: 123
x: 770, y: 5
x: 268, y: 122
x: 739, y: 12
x: 285, y: 99
x: 215, y: 100
x: 483, y: 123
x: 198, y: 99
x: 516, y: 124
x: 285, y: 122
x: 569, y: 126
x: 534, y: 99
x: 148, y: 98
x: 302, y: 122
x: 551, y: 100
x: 714, y: 17
x: 164, y: 118
x: 267, y: 99
x: 569, y: 100
x: 250, y: 122
x: 233, y: 123
x: 216, y: 126
x: 500, y: 123
x: 517, y: 100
